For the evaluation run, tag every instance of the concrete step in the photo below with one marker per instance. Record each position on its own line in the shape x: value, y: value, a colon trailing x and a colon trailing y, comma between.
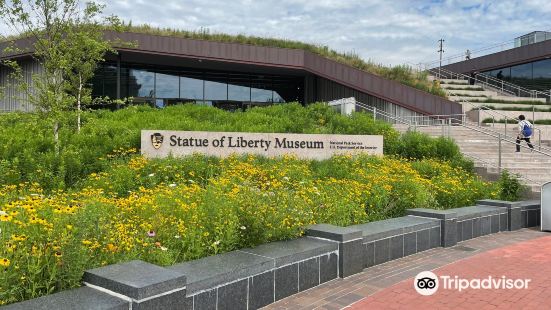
x: 466, y: 98
x: 484, y: 149
x: 467, y: 106
x: 515, y: 99
x: 454, y: 81
x: 463, y: 86
x: 475, y: 93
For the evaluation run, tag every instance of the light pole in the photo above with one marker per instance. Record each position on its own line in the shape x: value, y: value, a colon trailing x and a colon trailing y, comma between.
x: 441, y: 51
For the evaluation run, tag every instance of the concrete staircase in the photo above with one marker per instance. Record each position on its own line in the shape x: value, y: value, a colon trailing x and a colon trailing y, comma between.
x: 534, y: 168
x: 503, y: 106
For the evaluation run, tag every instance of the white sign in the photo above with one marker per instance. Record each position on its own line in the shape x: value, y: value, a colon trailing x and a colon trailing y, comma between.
x: 163, y: 143
x: 545, y: 211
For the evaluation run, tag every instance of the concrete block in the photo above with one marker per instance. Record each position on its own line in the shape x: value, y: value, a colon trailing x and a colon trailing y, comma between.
x: 261, y: 290
x: 308, y: 274
x: 369, y: 254
x: 328, y: 267
x: 206, y: 273
x: 423, y: 240
x: 136, y: 279
x: 233, y: 296
x: 79, y: 298
x: 286, y: 281
x: 382, y: 251
x: 410, y: 244
x: 397, y: 247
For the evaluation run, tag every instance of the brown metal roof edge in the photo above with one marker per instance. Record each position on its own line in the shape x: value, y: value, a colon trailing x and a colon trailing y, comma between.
x: 391, y: 83
x: 210, y: 58
x: 514, y: 56
x: 209, y: 41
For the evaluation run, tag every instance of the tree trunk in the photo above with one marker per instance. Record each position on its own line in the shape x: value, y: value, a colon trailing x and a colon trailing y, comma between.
x: 56, y: 137
x: 78, y: 101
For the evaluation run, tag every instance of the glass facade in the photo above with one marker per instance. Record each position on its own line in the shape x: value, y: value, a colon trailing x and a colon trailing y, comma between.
x: 531, y: 38
x: 165, y: 86
x: 533, y: 75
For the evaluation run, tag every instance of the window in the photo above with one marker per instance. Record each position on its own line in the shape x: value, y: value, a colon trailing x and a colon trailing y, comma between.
x: 141, y: 83
x: 239, y: 88
x: 261, y: 90
x: 521, y: 74
x: 216, y: 91
x: 167, y: 86
x: 191, y: 89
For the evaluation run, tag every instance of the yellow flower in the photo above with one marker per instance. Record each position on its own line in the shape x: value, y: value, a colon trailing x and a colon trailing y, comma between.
x: 4, y: 262
x: 5, y: 218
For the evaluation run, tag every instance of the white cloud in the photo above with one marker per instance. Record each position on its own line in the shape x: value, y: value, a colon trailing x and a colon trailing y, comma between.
x: 389, y: 32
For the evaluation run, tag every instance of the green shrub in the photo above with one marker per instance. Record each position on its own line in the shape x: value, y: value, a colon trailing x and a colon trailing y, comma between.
x: 511, y: 189
x: 28, y: 153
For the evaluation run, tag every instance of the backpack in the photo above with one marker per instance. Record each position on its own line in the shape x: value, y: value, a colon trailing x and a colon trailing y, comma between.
x: 526, y: 130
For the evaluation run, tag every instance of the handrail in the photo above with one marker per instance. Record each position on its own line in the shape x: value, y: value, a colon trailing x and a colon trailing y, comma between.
x: 383, y: 113
x: 504, y: 138
x: 500, y: 85
x: 496, y: 166
x: 461, y: 76
x: 533, y: 92
x: 484, y: 108
x: 493, y: 48
x: 451, y: 120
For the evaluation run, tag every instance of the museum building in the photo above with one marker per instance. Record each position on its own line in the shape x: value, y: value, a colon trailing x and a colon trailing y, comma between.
x: 528, y: 64
x: 164, y: 70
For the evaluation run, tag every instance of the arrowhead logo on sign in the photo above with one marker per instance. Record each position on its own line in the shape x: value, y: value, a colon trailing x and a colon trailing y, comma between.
x: 157, y: 140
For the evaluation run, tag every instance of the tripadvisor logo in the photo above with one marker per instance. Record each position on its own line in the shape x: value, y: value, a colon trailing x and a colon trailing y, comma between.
x: 427, y: 283
x: 157, y: 140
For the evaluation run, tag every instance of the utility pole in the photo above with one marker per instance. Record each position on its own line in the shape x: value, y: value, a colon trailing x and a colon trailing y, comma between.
x: 441, y: 51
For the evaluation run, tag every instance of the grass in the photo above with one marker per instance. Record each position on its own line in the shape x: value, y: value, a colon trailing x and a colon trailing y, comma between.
x: 401, y: 73
x: 530, y: 102
x: 465, y: 88
x: 452, y: 83
x: 468, y: 95
x: 529, y: 109
x: 174, y: 210
x: 99, y: 202
x: 511, y: 121
x: 31, y: 157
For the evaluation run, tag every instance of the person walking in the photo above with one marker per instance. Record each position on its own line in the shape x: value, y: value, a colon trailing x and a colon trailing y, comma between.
x: 524, y: 132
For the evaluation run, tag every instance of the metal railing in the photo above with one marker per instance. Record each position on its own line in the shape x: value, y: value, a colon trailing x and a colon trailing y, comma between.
x: 489, y: 49
x: 448, y: 122
x: 498, y: 85
x: 492, y: 113
x: 508, y: 87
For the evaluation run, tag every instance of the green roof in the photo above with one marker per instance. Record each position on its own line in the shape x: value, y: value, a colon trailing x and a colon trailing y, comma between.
x: 401, y: 73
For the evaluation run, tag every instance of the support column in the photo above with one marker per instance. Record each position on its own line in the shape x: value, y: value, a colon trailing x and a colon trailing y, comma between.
x: 514, y: 210
x: 118, y: 76
x: 351, y: 248
x: 448, y: 224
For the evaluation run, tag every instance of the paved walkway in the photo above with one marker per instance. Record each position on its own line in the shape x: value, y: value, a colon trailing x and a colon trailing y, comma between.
x: 517, y: 255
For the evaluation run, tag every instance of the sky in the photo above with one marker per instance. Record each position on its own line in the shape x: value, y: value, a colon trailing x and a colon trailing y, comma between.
x: 390, y: 32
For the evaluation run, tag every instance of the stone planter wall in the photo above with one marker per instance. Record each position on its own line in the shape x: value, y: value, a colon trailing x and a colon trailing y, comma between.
x: 253, y: 278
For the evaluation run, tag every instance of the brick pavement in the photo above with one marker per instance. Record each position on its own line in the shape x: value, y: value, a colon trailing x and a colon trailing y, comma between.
x: 517, y: 254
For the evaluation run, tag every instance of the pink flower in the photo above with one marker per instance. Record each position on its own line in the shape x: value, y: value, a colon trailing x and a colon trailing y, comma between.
x: 151, y: 233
